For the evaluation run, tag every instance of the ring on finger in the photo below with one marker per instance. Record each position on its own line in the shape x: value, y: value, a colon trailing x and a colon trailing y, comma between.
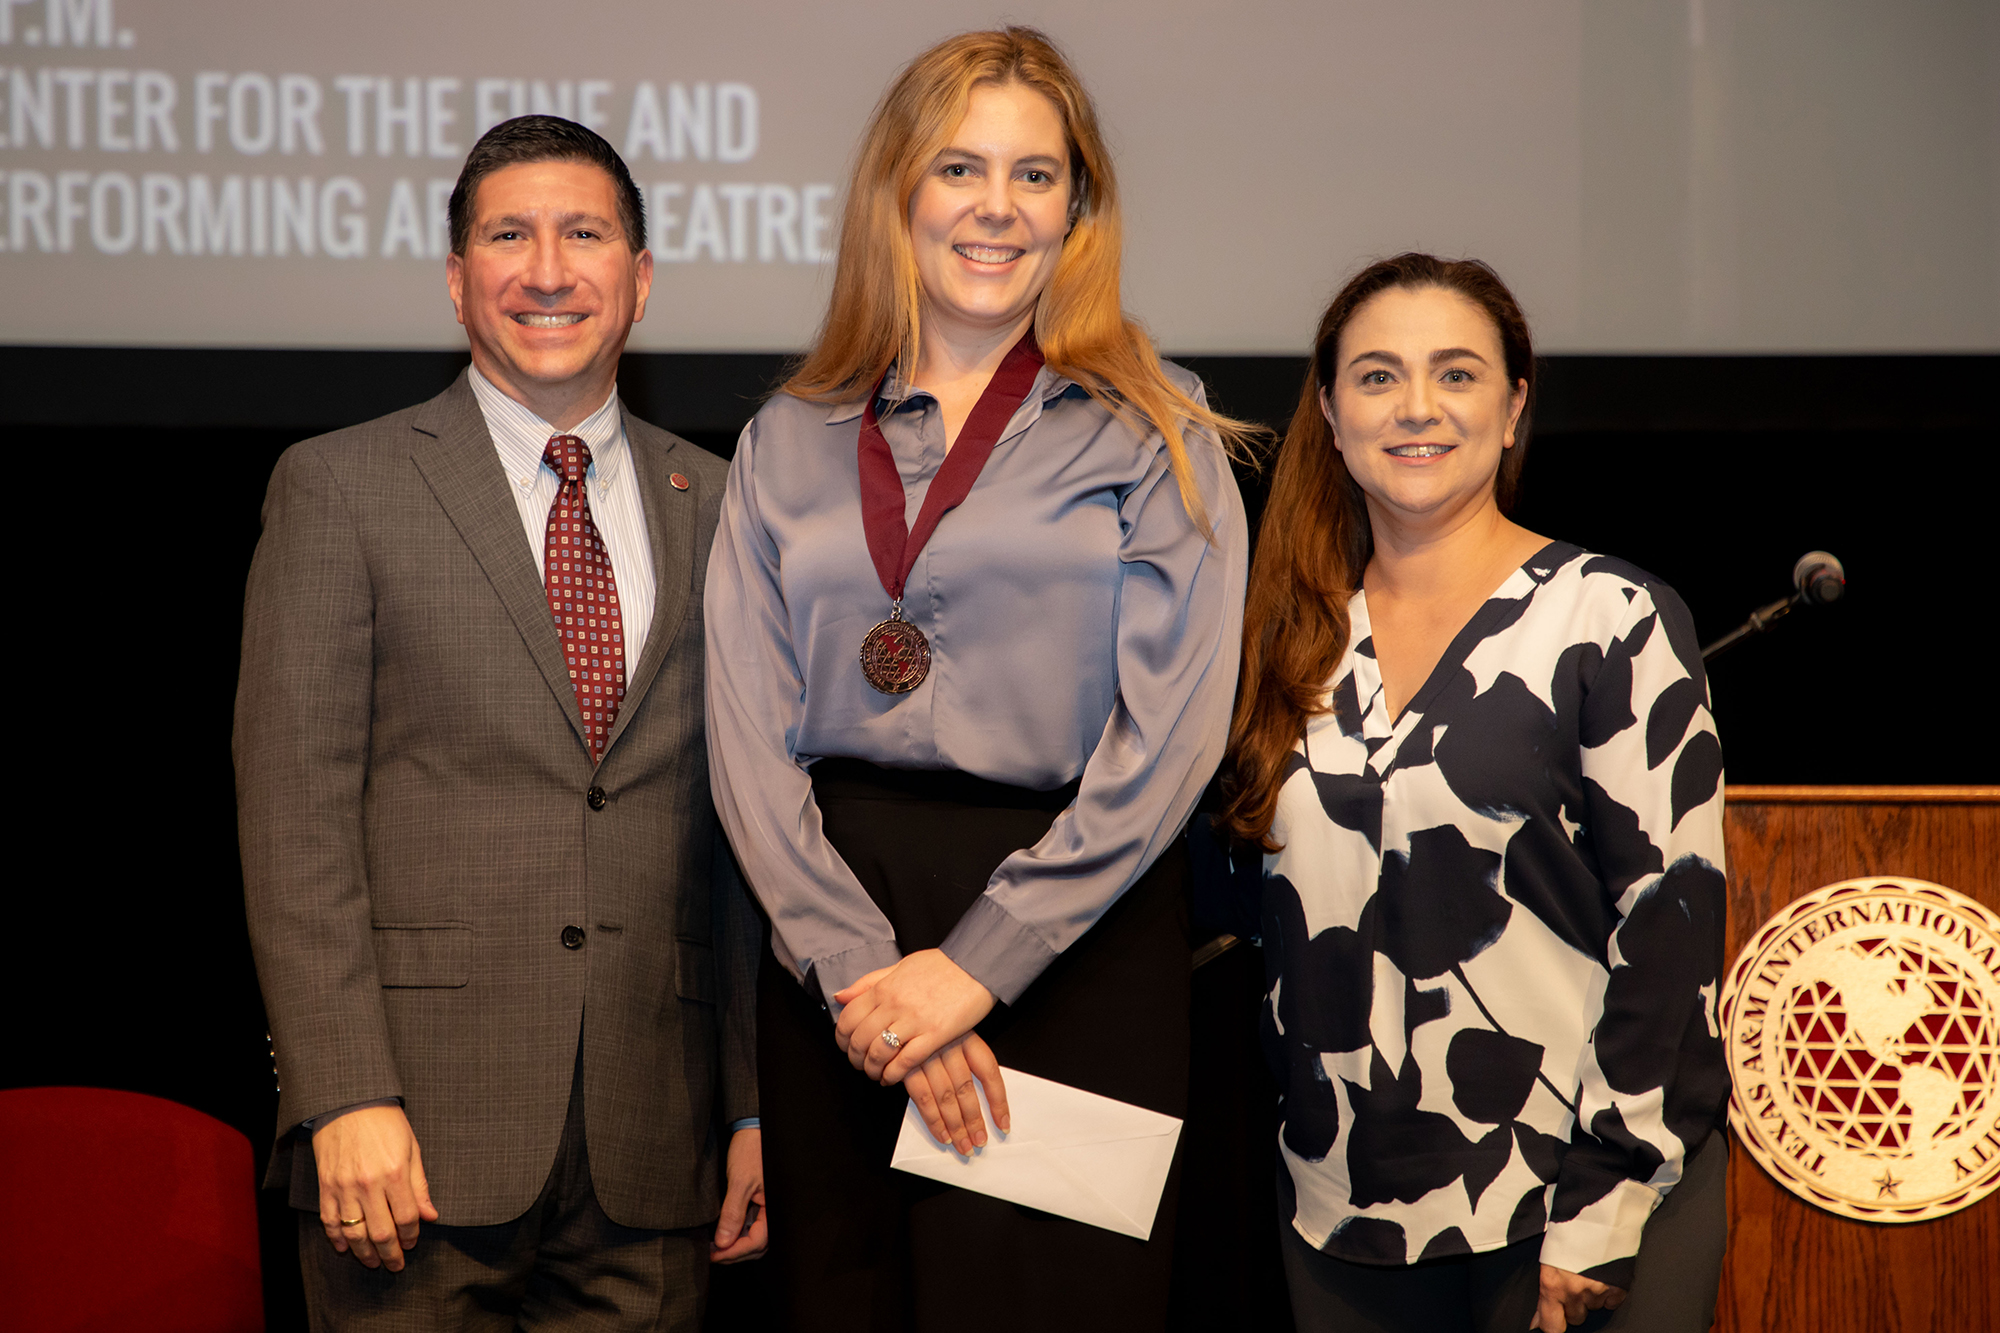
x: 352, y: 1221
x: 890, y: 1039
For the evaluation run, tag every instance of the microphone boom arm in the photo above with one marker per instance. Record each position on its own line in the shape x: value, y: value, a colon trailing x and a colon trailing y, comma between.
x: 1760, y: 620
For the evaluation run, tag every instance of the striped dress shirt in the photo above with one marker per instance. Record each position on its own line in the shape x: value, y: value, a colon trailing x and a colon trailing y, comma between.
x: 519, y: 437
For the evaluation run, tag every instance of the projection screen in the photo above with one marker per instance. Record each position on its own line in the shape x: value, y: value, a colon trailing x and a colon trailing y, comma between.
x: 1652, y: 176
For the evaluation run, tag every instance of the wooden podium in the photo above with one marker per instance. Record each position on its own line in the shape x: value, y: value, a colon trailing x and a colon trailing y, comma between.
x: 1791, y: 1267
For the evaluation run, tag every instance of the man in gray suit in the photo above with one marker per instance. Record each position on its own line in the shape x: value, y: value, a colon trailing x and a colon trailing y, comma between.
x: 508, y: 964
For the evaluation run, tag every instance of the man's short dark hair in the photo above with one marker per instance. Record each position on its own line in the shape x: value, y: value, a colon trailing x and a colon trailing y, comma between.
x: 543, y: 139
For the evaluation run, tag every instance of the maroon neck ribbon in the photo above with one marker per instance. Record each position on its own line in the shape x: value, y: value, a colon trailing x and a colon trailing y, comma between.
x: 891, y: 544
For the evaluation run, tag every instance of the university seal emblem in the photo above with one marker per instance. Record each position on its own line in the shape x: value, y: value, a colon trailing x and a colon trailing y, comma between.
x: 1863, y: 1030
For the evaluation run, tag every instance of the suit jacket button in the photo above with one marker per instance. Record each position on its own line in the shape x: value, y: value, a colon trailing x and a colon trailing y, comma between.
x: 594, y: 798
x: 572, y: 937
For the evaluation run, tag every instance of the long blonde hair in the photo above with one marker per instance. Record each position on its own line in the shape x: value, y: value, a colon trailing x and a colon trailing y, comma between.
x: 874, y: 316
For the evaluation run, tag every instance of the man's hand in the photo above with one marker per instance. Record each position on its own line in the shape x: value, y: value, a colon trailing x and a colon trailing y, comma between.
x: 1567, y: 1297
x: 372, y: 1189
x: 736, y: 1239
x: 927, y: 1000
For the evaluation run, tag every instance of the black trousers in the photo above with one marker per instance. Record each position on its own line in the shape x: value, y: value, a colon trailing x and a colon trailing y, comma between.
x: 1673, y: 1289
x: 856, y: 1246
x: 562, y: 1264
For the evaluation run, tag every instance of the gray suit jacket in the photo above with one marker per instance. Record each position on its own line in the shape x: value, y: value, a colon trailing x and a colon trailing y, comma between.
x: 420, y: 821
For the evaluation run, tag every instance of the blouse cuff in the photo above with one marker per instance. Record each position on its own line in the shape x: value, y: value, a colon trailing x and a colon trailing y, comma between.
x: 1602, y: 1241
x: 842, y: 970
x: 1001, y: 953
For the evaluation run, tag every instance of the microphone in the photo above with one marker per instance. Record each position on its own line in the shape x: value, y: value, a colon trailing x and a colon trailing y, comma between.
x: 1817, y: 580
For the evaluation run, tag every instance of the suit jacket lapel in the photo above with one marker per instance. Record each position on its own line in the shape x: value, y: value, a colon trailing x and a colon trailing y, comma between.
x: 670, y: 527
x: 453, y: 452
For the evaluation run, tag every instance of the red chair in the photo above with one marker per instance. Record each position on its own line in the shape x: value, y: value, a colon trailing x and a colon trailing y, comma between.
x: 121, y: 1211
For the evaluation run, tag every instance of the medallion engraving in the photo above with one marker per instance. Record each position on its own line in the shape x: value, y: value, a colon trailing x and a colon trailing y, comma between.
x: 895, y: 656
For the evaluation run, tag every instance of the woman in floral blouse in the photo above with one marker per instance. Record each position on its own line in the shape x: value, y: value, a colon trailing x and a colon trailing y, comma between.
x: 1482, y: 769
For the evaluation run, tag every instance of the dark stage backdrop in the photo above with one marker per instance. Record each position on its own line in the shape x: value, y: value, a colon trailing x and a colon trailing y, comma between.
x: 142, y: 474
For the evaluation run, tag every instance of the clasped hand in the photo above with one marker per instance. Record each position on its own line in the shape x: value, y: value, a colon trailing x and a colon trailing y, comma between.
x: 932, y: 1005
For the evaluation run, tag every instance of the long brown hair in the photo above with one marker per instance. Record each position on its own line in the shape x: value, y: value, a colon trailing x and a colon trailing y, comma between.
x: 876, y: 310
x: 1314, y: 542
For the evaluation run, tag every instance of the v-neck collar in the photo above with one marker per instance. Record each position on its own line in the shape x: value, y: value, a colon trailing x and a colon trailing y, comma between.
x: 1384, y: 737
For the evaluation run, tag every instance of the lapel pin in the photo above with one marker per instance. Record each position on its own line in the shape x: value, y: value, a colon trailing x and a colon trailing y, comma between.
x: 680, y: 483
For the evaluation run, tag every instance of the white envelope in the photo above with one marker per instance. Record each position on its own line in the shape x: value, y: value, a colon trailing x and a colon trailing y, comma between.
x: 1070, y: 1152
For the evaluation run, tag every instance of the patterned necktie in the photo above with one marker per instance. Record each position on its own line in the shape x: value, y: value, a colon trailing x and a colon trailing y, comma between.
x: 583, y: 597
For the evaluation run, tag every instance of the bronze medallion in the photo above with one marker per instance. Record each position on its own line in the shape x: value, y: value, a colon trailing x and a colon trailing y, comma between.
x: 895, y: 656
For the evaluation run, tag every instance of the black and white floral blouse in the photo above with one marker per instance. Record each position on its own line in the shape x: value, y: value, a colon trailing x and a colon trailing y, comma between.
x: 1495, y: 931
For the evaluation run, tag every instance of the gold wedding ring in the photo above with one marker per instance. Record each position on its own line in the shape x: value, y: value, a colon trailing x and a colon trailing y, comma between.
x: 352, y: 1221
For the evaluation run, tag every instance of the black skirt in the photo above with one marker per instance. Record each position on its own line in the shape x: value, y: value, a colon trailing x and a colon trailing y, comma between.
x: 857, y: 1246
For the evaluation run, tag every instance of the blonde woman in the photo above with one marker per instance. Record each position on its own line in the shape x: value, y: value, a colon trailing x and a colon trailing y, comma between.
x: 973, y: 623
